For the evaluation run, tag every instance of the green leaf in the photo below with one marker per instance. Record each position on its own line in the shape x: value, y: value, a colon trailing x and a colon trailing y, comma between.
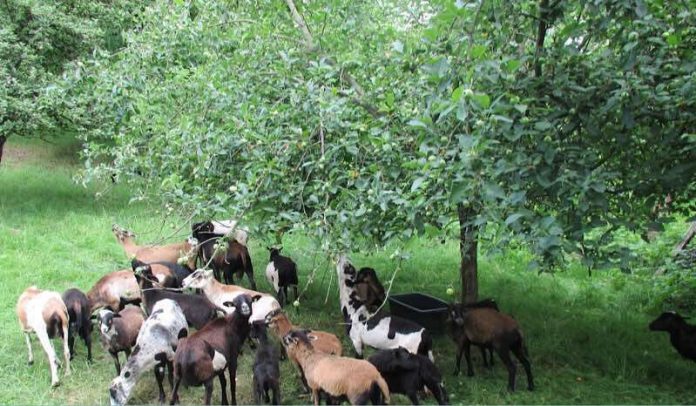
x: 482, y: 99
x: 513, y: 218
x: 416, y: 183
x: 542, y: 125
x: 457, y: 94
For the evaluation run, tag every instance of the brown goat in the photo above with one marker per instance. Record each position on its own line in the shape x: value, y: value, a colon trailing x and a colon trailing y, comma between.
x: 43, y: 312
x: 114, y: 290
x: 489, y: 327
x: 155, y: 253
x: 339, y: 377
x: 322, y: 341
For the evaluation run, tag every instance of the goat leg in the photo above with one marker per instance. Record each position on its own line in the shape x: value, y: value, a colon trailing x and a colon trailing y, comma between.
x: 71, y: 345
x: 208, y: 390
x: 159, y: 376
x: 88, y: 342
x: 117, y: 364
x: 467, y: 355
x: 175, y: 390
x: 460, y: 351
x: 27, y: 338
x: 504, y: 354
x: 223, y: 387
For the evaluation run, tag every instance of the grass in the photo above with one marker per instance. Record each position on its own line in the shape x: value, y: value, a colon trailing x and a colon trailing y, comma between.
x: 587, y: 337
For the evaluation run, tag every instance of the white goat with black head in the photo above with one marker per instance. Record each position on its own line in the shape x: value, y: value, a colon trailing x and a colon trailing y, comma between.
x: 155, y: 347
x: 380, y: 331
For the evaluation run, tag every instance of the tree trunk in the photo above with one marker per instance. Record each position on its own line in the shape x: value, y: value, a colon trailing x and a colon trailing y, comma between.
x: 3, y: 138
x: 468, y: 247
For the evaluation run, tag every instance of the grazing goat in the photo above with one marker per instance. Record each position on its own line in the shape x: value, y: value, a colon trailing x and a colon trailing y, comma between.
x: 222, y: 228
x: 43, y: 312
x: 321, y: 340
x: 114, y: 290
x: 339, y: 377
x: 266, y: 369
x: 78, y: 313
x: 154, y: 253
x: 226, y: 257
x: 119, y: 331
x: 681, y: 334
x: 197, y: 308
x: 486, y: 326
x: 408, y: 373
x: 369, y: 289
x: 281, y: 272
x: 205, y: 354
x: 155, y: 347
x: 379, y: 330
x: 219, y: 294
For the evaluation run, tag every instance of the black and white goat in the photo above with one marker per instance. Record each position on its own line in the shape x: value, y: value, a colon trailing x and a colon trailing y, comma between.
x: 154, y: 347
x: 379, y: 331
x: 281, y: 272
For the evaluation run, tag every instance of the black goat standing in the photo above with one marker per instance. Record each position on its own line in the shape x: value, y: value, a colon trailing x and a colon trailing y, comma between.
x: 78, y: 312
x: 266, y: 369
x: 681, y: 334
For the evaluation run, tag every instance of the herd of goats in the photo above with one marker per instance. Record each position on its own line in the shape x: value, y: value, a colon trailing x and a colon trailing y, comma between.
x: 148, y: 311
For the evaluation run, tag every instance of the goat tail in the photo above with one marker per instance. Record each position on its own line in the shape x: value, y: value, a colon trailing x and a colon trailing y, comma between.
x: 384, y: 388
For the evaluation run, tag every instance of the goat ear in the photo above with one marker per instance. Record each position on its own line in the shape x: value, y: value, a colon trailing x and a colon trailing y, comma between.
x: 220, y: 313
x: 229, y: 304
x: 117, y: 315
x: 256, y: 298
x: 312, y: 337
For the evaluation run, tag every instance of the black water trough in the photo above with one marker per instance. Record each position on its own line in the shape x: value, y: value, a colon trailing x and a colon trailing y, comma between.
x: 428, y: 311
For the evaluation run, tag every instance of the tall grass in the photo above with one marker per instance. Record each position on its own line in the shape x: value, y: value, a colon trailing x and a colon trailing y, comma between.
x: 587, y: 336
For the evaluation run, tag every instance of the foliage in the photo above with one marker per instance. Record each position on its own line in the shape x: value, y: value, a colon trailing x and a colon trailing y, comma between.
x: 558, y: 134
x: 38, y: 40
x: 587, y: 337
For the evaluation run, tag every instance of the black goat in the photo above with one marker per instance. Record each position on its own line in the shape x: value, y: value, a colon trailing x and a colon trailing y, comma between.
x: 78, y: 313
x: 266, y: 369
x: 281, y: 272
x: 681, y: 334
x: 369, y: 289
x: 235, y: 260
x: 408, y: 373
x: 197, y: 308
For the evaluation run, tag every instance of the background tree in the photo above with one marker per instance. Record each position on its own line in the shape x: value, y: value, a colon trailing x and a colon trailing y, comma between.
x: 551, y: 123
x: 38, y: 42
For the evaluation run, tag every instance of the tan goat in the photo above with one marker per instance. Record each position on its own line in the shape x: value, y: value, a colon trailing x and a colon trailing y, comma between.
x: 43, y: 312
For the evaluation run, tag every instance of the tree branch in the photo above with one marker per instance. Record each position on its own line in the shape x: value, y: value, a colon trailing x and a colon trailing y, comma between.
x: 312, y: 47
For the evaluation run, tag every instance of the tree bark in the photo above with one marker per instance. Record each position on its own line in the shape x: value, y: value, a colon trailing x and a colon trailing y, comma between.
x: 541, y: 35
x: 687, y: 238
x: 468, y: 249
x: 3, y: 138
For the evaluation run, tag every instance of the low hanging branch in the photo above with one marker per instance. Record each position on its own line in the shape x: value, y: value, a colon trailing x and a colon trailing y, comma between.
x: 313, y: 47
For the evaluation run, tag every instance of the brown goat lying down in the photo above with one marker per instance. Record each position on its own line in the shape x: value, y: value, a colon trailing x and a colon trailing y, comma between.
x: 154, y: 253
x: 43, y: 312
x: 340, y: 378
x: 114, y: 290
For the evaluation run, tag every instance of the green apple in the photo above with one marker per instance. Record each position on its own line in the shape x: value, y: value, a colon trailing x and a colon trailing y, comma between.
x: 296, y: 303
x: 450, y: 292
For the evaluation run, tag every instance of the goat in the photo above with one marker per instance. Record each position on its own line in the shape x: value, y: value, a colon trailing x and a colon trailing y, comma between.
x: 222, y: 228
x: 197, y: 308
x: 119, y: 331
x: 369, y: 289
x: 408, y: 373
x: 168, y: 274
x: 486, y: 326
x: 154, y: 253
x: 321, y: 340
x: 266, y: 369
x: 380, y: 331
x: 219, y: 294
x: 207, y: 352
x: 486, y: 350
x: 339, y: 377
x: 114, y: 290
x: 78, y: 314
x: 155, y: 346
x: 681, y: 334
x: 43, y: 312
x: 281, y: 272
x: 226, y: 257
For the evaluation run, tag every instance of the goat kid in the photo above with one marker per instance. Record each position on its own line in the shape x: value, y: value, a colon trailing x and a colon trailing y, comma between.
x: 119, y: 331
x: 265, y: 369
x: 281, y: 272
x: 78, y: 313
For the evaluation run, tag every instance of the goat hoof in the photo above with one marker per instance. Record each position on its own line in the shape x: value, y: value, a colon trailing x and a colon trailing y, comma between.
x: 55, y: 384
